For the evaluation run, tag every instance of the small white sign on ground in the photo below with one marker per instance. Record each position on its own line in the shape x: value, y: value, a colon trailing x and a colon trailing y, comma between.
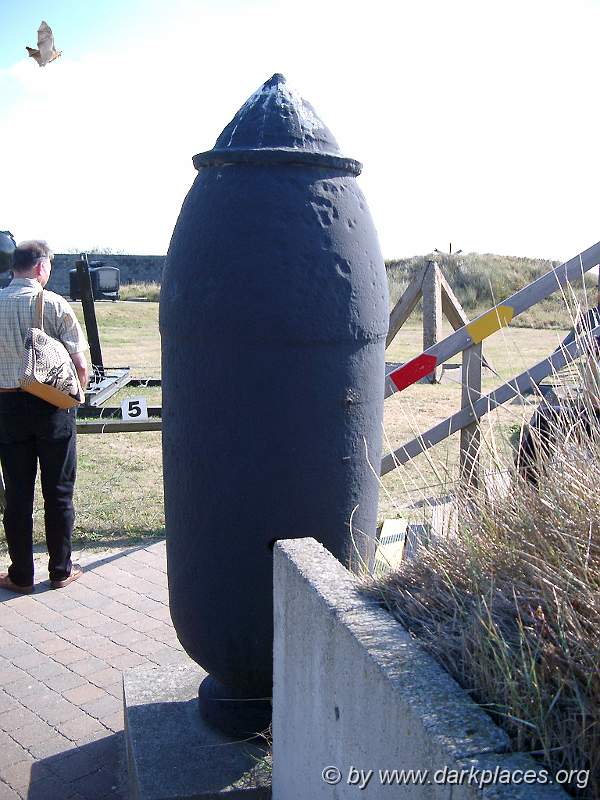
x: 134, y: 408
x: 390, y: 547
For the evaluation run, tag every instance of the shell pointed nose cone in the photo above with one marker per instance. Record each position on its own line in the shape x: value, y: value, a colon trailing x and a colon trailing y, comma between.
x: 276, y: 116
x: 275, y: 79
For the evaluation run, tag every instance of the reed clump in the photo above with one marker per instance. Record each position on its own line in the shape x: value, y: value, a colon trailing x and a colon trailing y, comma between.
x: 509, y: 603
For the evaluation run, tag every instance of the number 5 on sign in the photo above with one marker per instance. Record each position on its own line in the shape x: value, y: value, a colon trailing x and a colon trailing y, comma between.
x: 134, y: 408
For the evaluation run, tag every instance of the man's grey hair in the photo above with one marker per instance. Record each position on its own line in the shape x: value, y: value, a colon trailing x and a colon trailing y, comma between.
x: 27, y: 254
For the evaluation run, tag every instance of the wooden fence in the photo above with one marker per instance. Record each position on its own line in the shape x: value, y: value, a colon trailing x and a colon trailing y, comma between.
x: 468, y: 341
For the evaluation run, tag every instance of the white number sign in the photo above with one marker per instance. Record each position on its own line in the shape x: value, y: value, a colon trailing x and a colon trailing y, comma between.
x: 134, y: 408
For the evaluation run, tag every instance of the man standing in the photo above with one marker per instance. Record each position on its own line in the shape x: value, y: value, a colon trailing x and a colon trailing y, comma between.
x: 32, y: 430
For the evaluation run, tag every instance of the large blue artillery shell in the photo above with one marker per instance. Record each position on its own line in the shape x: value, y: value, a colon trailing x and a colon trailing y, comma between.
x: 273, y: 317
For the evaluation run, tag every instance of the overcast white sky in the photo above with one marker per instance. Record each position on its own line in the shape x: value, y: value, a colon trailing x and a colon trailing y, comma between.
x: 477, y: 121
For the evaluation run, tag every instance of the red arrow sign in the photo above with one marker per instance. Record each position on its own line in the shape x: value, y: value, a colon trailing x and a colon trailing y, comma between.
x: 413, y: 371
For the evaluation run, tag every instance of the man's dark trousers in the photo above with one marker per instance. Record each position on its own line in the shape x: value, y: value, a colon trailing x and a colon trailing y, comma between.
x: 32, y: 430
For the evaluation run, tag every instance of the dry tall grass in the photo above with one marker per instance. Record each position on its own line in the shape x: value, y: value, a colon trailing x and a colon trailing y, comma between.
x: 509, y: 603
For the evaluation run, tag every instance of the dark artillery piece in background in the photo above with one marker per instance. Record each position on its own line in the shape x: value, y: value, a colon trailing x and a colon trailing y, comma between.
x: 88, y: 283
x: 7, y: 246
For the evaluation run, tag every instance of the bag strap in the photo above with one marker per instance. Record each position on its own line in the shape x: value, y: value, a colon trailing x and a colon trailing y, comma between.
x: 40, y: 310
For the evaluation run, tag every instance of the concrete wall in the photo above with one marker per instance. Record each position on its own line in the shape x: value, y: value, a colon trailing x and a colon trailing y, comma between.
x: 134, y: 269
x: 353, y: 691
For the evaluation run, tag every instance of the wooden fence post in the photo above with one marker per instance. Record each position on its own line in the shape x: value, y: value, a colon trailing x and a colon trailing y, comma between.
x: 470, y: 436
x: 432, y: 313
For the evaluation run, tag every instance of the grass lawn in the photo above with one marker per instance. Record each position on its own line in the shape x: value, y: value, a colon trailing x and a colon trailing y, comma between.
x: 119, y: 494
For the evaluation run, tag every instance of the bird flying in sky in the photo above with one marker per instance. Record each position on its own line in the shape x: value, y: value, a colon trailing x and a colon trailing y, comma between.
x: 46, y: 51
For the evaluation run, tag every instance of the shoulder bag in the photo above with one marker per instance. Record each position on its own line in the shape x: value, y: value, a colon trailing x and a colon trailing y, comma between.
x: 48, y: 371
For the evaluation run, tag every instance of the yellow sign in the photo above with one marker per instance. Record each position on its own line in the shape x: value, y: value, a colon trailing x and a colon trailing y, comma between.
x: 489, y: 323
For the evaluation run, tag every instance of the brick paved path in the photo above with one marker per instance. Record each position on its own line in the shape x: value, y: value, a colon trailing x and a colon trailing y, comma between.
x: 62, y: 655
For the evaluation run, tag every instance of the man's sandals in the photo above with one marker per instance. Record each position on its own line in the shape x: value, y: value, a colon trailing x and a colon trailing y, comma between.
x: 7, y: 583
x: 76, y: 572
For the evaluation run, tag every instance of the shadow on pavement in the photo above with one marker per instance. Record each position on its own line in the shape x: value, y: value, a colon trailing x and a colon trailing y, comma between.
x: 94, y: 771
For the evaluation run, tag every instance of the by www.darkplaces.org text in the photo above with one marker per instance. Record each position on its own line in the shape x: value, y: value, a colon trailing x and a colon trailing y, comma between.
x: 474, y: 776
